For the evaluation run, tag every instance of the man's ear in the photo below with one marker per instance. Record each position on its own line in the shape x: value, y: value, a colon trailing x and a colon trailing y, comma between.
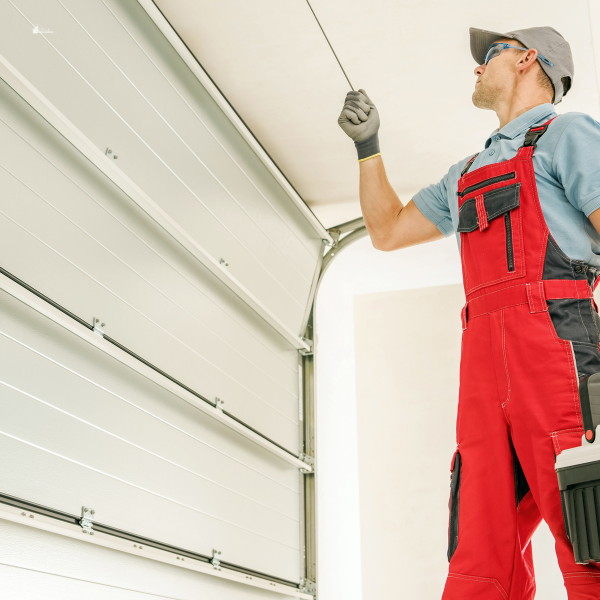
x: 526, y: 59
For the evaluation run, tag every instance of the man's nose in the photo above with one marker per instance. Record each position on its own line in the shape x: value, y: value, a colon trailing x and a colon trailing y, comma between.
x: 480, y: 70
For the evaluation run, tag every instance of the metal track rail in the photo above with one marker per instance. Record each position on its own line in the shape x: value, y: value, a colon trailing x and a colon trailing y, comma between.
x: 30, y: 510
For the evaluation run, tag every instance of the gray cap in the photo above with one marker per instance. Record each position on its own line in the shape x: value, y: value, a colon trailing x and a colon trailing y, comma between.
x: 547, y: 41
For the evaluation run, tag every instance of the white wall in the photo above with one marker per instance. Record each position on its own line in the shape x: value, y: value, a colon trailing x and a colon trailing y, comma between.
x: 357, y: 270
x: 407, y: 356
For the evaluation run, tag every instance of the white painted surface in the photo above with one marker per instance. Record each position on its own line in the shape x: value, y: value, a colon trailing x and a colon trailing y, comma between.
x: 359, y: 269
x: 407, y: 356
x: 274, y: 65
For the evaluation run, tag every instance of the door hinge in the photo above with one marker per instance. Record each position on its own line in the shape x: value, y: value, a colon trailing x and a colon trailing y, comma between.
x: 219, y: 404
x: 308, y: 460
x: 308, y: 587
x: 304, y: 351
x: 98, y: 326
x: 216, y: 560
x: 87, y: 520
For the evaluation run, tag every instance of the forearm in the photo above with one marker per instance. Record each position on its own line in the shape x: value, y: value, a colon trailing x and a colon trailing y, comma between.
x: 380, y: 205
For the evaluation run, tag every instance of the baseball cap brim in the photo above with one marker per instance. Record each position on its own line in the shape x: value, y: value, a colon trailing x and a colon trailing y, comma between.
x: 481, y: 40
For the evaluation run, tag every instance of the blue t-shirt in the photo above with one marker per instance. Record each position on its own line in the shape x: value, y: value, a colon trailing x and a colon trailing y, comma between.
x: 567, y: 173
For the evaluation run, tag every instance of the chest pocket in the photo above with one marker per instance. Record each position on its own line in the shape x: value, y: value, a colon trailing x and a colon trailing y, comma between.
x: 491, y: 235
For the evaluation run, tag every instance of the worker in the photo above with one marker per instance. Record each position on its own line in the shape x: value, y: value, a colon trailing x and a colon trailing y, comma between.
x: 526, y: 211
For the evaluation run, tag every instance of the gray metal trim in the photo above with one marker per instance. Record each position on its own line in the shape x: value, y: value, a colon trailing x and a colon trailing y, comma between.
x: 32, y: 507
x: 311, y: 297
x: 357, y: 230
x: 356, y: 235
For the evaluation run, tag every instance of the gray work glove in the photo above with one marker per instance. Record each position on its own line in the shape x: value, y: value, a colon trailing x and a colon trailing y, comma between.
x: 360, y: 121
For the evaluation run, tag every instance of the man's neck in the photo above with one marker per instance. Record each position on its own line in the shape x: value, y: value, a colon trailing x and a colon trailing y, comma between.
x: 512, y: 110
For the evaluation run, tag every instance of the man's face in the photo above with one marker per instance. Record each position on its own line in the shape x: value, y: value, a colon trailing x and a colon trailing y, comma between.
x: 494, y: 79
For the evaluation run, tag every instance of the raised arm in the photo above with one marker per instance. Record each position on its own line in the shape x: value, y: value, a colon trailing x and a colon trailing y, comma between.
x: 390, y: 224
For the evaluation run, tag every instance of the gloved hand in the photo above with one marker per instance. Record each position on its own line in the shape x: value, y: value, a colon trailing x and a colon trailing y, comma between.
x: 360, y: 121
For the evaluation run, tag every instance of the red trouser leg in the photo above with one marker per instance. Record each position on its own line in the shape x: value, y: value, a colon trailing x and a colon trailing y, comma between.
x: 493, y: 555
x: 519, y: 386
x: 545, y: 417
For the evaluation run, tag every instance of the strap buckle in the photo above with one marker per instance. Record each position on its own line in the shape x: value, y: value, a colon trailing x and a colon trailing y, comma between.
x: 535, y: 133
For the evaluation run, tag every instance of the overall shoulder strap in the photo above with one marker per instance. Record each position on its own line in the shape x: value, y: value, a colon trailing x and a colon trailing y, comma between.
x: 468, y: 165
x: 535, y: 133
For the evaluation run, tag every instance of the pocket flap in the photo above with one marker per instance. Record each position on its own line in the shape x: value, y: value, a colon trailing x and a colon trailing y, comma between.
x: 497, y: 202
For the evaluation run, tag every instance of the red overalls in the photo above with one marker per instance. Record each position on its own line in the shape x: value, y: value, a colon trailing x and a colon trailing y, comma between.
x: 530, y: 332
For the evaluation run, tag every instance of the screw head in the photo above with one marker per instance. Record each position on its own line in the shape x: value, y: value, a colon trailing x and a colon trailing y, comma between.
x: 91, y: 533
x: 85, y: 510
x: 110, y: 151
x: 102, y: 324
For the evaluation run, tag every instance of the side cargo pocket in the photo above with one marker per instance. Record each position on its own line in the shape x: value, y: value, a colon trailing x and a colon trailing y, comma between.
x: 453, y: 505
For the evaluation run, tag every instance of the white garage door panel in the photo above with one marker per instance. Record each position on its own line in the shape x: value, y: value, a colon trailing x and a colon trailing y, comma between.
x: 49, y: 272
x: 64, y: 485
x: 83, y: 257
x: 22, y: 583
x: 37, y: 564
x: 32, y: 343
x: 152, y: 152
x: 85, y: 296
x: 129, y: 465
x: 150, y: 434
x: 32, y: 420
x: 36, y: 155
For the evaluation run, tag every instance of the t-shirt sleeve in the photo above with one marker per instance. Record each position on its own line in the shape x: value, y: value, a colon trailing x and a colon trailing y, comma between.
x: 576, y: 163
x: 432, y: 201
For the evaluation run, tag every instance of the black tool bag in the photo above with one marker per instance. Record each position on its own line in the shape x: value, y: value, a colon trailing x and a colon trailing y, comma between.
x: 578, y: 472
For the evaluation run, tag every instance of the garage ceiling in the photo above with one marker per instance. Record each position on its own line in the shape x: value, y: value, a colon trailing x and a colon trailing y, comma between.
x: 270, y: 59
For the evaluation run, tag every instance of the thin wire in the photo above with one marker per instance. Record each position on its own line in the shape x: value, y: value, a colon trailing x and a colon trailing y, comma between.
x: 336, y: 57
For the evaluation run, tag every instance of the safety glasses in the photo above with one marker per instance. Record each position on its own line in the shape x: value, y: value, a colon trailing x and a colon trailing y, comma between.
x: 496, y: 48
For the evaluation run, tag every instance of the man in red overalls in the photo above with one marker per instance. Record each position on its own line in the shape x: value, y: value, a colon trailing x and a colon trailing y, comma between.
x: 526, y: 210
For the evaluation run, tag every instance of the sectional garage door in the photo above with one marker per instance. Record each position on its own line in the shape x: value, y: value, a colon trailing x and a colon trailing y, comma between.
x: 155, y: 273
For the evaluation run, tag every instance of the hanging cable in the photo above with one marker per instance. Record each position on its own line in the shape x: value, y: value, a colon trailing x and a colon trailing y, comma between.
x: 336, y: 57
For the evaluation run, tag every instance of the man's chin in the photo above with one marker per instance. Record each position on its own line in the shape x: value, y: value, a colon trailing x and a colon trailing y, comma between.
x: 482, y: 100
